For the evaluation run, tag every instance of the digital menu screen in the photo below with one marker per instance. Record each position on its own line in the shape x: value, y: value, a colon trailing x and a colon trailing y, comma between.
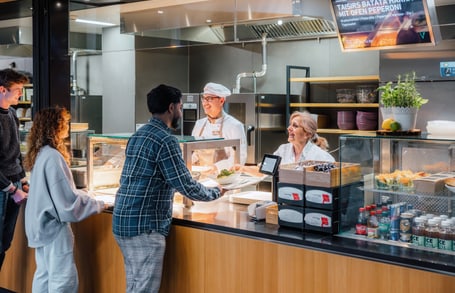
x: 379, y: 24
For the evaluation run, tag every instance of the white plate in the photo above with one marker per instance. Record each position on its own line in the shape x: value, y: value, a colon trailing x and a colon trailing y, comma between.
x: 108, y: 199
x: 451, y: 188
x: 200, y: 168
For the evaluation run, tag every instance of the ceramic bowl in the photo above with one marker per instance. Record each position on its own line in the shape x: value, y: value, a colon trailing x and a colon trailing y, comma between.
x: 225, y: 180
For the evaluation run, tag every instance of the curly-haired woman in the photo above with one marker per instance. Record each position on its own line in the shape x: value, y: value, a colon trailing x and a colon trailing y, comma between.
x: 53, y: 203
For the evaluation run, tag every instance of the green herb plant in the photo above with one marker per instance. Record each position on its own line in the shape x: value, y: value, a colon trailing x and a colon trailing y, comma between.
x: 402, y: 94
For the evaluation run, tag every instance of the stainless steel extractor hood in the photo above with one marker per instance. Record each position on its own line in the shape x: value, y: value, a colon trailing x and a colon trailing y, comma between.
x: 219, y: 22
x: 16, y: 41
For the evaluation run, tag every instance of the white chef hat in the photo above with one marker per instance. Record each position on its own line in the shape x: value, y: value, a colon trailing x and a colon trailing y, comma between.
x: 215, y: 89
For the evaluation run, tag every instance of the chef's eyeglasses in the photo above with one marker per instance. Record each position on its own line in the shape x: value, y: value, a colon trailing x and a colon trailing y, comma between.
x: 208, y: 99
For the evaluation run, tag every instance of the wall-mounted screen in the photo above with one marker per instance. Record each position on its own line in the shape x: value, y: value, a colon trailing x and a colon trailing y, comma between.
x: 380, y: 24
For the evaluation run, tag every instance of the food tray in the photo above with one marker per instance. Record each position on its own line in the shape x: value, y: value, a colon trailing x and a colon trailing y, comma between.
x: 295, y: 172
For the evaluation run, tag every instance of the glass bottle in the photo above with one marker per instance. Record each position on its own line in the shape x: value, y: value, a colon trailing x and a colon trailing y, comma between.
x: 418, y: 231
x: 372, y: 226
x: 445, y: 241
x: 432, y: 234
x: 361, y: 225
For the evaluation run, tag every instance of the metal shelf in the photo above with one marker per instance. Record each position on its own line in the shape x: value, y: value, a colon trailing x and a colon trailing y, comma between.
x: 337, y: 79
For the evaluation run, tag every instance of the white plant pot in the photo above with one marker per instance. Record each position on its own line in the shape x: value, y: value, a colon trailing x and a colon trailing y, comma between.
x: 407, y: 117
x: 386, y: 113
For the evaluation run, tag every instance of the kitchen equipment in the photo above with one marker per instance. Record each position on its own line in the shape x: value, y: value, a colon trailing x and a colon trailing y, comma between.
x: 265, y: 123
x: 191, y: 112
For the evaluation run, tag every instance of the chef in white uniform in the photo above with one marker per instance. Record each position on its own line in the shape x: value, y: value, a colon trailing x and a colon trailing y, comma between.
x: 218, y: 124
x: 303, y: 141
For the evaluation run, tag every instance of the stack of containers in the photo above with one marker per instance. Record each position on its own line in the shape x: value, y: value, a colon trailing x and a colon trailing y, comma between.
x: 316, y: 201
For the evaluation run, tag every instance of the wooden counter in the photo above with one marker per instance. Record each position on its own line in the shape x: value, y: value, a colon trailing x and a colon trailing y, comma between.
x: 210, y: 260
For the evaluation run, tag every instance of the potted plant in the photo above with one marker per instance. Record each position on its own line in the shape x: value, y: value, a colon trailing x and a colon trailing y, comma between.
x: 403, y: 100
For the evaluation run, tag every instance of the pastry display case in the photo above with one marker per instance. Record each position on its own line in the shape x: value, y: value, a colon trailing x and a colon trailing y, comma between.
x: 404, y: 189
x: 106, y: 155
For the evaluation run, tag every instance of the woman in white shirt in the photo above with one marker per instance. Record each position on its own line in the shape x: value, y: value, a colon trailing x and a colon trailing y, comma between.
x: 304, y: 142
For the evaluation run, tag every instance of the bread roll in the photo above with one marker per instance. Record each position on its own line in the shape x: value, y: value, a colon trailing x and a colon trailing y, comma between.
x: 450, y: 181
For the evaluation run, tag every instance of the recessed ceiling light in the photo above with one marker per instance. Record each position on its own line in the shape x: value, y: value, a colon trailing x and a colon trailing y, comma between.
x: 160, y: 11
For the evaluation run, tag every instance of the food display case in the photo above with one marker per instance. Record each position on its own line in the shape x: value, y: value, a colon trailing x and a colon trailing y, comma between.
x: 106, y: 155
x: 403, y: 184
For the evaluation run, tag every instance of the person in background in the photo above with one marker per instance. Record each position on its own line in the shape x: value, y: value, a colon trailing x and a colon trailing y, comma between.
x: 13, y: 185
x: 218, y: 124
x: 53, y: 203
x: 153, y: 171
x: 304, y: 142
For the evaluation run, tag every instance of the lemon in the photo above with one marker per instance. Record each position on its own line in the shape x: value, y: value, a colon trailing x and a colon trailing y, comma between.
x: 395, y: 126
x: 386, y: 123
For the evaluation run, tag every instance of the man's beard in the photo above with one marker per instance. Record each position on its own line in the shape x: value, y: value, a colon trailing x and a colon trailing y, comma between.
x: 175, y: 122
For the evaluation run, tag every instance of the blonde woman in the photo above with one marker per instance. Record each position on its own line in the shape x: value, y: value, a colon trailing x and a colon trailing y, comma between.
x: 303, y: 141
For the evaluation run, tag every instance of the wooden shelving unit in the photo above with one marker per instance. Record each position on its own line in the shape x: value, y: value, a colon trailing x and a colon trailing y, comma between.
x: 334, y: 105
x: 332, y: 80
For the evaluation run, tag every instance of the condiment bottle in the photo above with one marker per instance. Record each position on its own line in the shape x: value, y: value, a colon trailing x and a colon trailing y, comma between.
x: 418, y: 232
x: 446, y: 236
x: 432, y: 234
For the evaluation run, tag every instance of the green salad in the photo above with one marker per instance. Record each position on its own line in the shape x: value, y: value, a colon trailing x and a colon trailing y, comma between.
x: 225, y: 173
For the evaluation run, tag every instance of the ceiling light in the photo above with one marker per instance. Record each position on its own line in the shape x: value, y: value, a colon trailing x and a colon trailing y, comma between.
x: 94, y: 22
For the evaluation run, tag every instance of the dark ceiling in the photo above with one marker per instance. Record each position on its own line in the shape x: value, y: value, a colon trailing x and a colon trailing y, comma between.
x: 23, y: 8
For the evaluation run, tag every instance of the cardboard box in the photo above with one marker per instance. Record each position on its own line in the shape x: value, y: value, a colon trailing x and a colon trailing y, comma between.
x: 346, y: 172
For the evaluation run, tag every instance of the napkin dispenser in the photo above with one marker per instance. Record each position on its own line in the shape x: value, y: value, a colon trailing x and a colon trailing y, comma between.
x: 257, y: 210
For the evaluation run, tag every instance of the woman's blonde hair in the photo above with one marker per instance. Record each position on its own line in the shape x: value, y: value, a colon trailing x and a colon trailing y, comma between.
x: 310, y: 126
x: 48, y: 127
